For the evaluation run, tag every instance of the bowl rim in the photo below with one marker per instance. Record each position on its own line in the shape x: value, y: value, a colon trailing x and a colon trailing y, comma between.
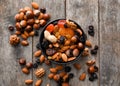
x: 40, y: 40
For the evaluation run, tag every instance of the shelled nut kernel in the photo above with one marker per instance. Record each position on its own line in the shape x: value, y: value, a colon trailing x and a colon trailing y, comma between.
x: 39, y: 72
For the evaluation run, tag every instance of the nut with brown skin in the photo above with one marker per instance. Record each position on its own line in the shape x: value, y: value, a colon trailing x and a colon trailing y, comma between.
x: 36, y: 26
x: 29, y: 65
x: 77, y: 66
x: 53, y: 70
x: 17, y: 17
x: 42, y: 58
x: 85, y: 52
x: 27, y: 8
x: 91, y: 69
x: 36, y: 12
x: 46, y: 16
x: 39, y: 72
x: 62, y: 74
x: 51, y: 75
x: 59, y: 67
x: 74, y: 39
x: 37, y: 53
x: 65, y: 77
x: 23, y: 23
x: 32, y: 33
x: 88, y: 43
x: 25, y: 70
x: 65, y: 84
x: 38, y: 82
x: 56, y: 77
x: 22, y: 61
x: 28, y: 28
x: 64, y: 57
x: 14, y: 40
x: 82, y: 76
x: 90, y: 62
x: 30, y: 21
x: 80, y: 46
x: 75, y: 52
x: 42, y: 22
x: 22, y: 10
x: 71, y: 58
x: 17, y: 32
x: 18, y: 26
x: 24, y: 36
x: 29, y: 14
x: 37, y: 21
x: 21, y: 15
x: 24, y: 43
x: 35, y: 5
x: 29, y: 81
x: 40, y: 16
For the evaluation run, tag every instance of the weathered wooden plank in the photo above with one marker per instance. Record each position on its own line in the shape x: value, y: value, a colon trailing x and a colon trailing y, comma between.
x: 85, y: 13
x: 57, y: 10
x: 109, y: 42
x: 10, y: 70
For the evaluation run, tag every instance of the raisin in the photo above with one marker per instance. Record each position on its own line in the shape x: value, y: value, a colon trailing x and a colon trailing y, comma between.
x: 94, y: 75
x: 67, y: 69
x: 43, y: 10
x: 36, y: 33
x: 96, y: 68
x: 96, y: 47
x: 94, y: 52
x: 37, y: 61
x: 45, y: 44
x: 35, y: 65
x: 11, y: 28
x: 91, y: 78
x: 62, y: 39
x: 71, y: 75
x: 82, y: 39
x: 38, y: 46
x: 55, y: 23
x: 65, y: 25
x: 91, y: 27
x: 91, y: 32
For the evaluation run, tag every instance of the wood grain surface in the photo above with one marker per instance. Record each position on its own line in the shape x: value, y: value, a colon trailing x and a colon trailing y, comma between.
x: 102, y: 14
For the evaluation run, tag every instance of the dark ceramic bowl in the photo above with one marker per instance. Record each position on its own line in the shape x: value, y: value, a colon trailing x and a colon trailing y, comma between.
x: 44, y: 50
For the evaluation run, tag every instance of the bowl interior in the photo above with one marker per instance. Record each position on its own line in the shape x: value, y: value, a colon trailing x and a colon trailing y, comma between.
x: 44, y: 50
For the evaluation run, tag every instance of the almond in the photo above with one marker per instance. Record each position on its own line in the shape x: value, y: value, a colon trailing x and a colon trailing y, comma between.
x: 38, y: 82
x: 56, y: 77
x: 24, y: 43
x: 88, y: 43
x: 53, y: 70
x: 35, y: 5
x: 65, y: 77
x: 26, y: 33
x: 64, y: 57
x: 71, y: 58
x: 24, y: 36
x: 31, y: 33
x: 42, y: 58
x: 77, y: 66
x: 59, y: 67
x: 51, y: 75
x: 90, y: 62
x: 65, y: 84
x: 73, y: 46
x: 62, y: 74
x: 82, y: 77
x: 37, y: 53
x: 17, y: 32
x: 25, y: 70
x: 29, y: 81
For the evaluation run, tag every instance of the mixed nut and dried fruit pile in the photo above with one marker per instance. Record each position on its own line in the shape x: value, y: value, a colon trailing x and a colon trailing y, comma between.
x: 62, y: 42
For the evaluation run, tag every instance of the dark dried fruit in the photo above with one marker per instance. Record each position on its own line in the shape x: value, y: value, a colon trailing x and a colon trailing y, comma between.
x: 50, y: 51
x: 91, y: 32
x: 38, y: 46
x: 62, y: 39
x: 35, y: 65
x: 96, y: 68
x: 91, y: 78
x: 96, y: 47
x: 36, y: 33
x: 55, y: 23
x: 11, y: 28
x: 91, y: 27
x: 29, y: 65
x: 42, y: 10
x: 94, y: 75
x: 71, y: 75
x: 67, y: 69
x: 45, y: 44
x: 82, y: 39
x: 94, y: 52
x: 37, y: 61
x: 65, y: 25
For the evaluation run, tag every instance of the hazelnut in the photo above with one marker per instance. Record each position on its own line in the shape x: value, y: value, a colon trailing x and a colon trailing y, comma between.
x: 35, y: 5
x: 24, y: 43
x: 17, y: 32
x: 46, y: 16
x: 25, y: 17
x: 80, y: 45
x: 42, y: 22
x: 28, y: 28
x: 23, y: 23
x: 56, y: 77
x: 91, y: 69
x: 36, y: 12
x: 22, y: 10
x: 29, y: 14
x: 26, y: 33
x: 36, y: 26
x: 74, y: 39
x: 75, y: 52
x: 29, y: 65
x: 17, y: 17
x: 30, y: 21
x: 21, y: 16
x: 18, y: 26
x: 40, y: 16
x: 31, y: 33
x: 22, y: 61
x: 37, y: 21
x: 51, y: 75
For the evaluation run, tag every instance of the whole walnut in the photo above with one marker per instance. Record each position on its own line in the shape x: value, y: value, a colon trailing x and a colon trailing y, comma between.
x: 14, y: 40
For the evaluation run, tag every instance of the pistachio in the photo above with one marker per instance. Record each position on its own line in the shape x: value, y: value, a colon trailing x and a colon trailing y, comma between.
x: 36, y: 26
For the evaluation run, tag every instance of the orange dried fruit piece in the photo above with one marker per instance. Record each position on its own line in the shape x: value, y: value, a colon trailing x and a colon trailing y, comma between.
x: 61, y: 23
x: 50, y: 28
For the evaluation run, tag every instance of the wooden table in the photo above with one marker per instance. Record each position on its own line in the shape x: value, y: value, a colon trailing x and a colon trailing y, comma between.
x: 102, y: 14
